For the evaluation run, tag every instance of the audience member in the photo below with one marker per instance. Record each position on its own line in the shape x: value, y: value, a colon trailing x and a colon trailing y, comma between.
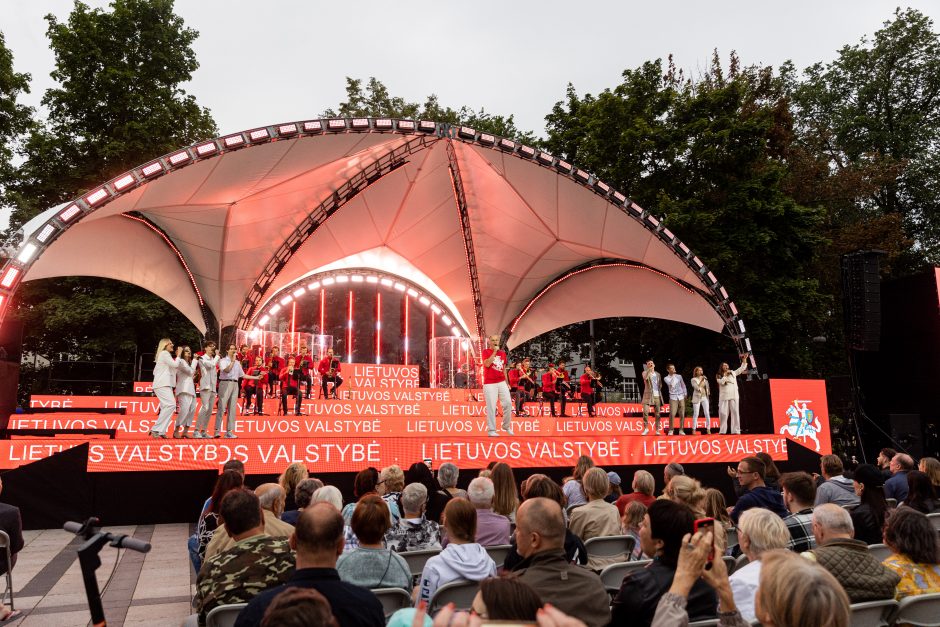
x: 391, y: 483
x: 540, y: 486
x: 505, y: 496
x: 418, y: 472
x: 12, y: 523
x: 750, y: 474
x: 931, y: 467
x: 661, y: 534
x: 289, y: 479
x: 447, y: 475
x: 885, y: 456
x: 771, y: 472
x: 371, y: 565
x: 615, y: 491
x: 302, y: 495
x: 869, y: 517
x: 414, y: 532
x: 836, y: 488
x: 254, y: 563
x: 913, y: 541
x: 492, y: 528
x: 717, y: 508
x: 671, y: 470
x: 506, y: 599
x: 540, y: 538
x: 920, y: 493
x: 331, y: 494
x: 318, y: 542
x: 793, y: 593
x: 759, y: 531
x: 643, y: 486
x: 597, y: 518
x: 896, y: 486
x: 799, y: 494
x: 630, y: 526
x: 271, y: 497
x: 862, y: 576
x: 299, y: 607
x: 689, y: 492
x: 574, y: 494
x: 364, y: 484
x: 462, y: 558
x: 209, y: 520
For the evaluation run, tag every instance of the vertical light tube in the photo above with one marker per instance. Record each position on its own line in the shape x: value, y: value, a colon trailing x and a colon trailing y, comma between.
x: 378, y: 327
x: 349, y: 330
x: 293, y: 325
x: 322, y: 311
x: 405, y: 328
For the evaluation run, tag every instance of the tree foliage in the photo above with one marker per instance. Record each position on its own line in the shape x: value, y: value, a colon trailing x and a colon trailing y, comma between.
x: 16, y: 119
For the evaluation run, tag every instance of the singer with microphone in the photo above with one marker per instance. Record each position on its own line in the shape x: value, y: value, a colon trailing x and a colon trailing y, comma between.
x: 495, y: 387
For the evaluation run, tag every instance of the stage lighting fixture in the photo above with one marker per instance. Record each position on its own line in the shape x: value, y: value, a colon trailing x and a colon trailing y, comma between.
x: 356, y: 278
x: 426, y: 126
x: 386, y: 282
x: 724, y: 293
x: 258, y: 135
x: 336, y: 124
x: 299, y: 291
x: 635, y: 208
x: 27, y: 252
x: 527, y: 151
x: 383, y: 124
x: 400, y: 287
x: 313, y: 126
x: 741, y: 326
x: 668, y: 234
x: 406, y: 125
x: 96, y: 196
x: 234, y: 141
x: 10, y: 277
x: 372, y: 279
x: 697, y: 262
x: 360, y: 124
x: 206, y: 149
x: 124, y: 182
x: 342, y: 278
x: 545, y: 158
x: 70, y: 212
x: 711, y: 278
x: 733, y: 308
x: 466, y: 132
x: 455, y: 330
x: 424, y: 300
x: 45, y: 233
x: 652, y: 219
x: 446, y: 319
x: 435, y: 309
x: 487, y: 139
x: 329, y: 281
x: 747, y: 344
x: 582, y: 176
x: 286, y: 299
x: 287, y: 129
x: 179, y: 157
x: 753, y: 362
x: 563, y: 166
x: 620, y: 198
x: 273, y: 311
x: 684, y: 248
x: 151, y: 169
x: 313, y: 286
x: 412, y: 292
x: 264, y: 320
x: 507, y: 144
x: 601, y: 186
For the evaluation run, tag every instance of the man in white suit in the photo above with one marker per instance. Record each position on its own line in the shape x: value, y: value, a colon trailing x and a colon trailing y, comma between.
x: 728, y: 396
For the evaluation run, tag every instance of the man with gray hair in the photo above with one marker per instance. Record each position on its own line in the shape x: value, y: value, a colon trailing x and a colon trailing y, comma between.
x: 672, y: 469
x: 447, y: 476
x: 414, y: 532
x: 492, y: 528
x: 271, y: 498
x: 302, y: 495
x: 863, y: 577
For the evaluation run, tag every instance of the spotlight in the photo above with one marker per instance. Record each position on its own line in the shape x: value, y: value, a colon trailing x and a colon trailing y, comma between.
x: 563, y: 166
x: 545, y: 158
x: 314, y: 126
x: 70, y: 212
x: 455, y: 330
x: 313, y: 286
x: 264, y: 320
x: 486, y: 139
x: 601, y: 186
x: 285, y: 130
x: 357, y: 278
x: 400, y: 287
x: 329, y: 281
x: 152, y: 169
x: 45, y: 233
x: 527, y: 151
x: 424, y: 300
x: 259, y: 135
x: 426, y: 126
x: 342, y: 279
x: 435, y: 309
x: 620, y: 198
x: 27, y: 252
x: 124, y: 182
x: 286, y: 299
x: 206, y: 149
x: 507, y: 144
x: 10, y: 276
x: 299, y: 291
x: 446, y: 319
x: 711, y: 278
x: 372, y: 279
x: 273, y: 311
x: 96, y: 196
x: 178, y: 158
x: 234, y: 141
x: 407, y: 126
x: 336, y: 124
x: 386, y: 282
x: 360, y: 124
x: 383, y: 124
x: 652, y: 220
x: 741, y: 326
x: 466, y: 132
x: 582, y: 176
x: 412, y: 292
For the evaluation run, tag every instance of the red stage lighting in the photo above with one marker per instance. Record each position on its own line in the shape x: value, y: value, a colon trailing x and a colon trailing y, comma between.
x: 466, y: 132
x: 455, y: 330
x: 357, y: 278
x: 406, y: 125
x: 446, y: 319
x: 124, y: 182
x: 527, y: 151
x: 285, y: 130
x: 264, y: 320
x: 234, y: 141
x: 152, y: 169
x: 329, y: 281
x: 273, y: 311
x: 383, y: 124
x: 314, y: 126
x: 206, y: 149
x: 360, y: 124
x: 9, y: 278
x: 400, y: 287
x: 342, y: 279
x: 561, y: 166
x: 299, y: 291
x: 180, y: 157
x: 424, y: 300
x: 259, y: 135
x: 372, y: 279
x: 313, y: 286
x: 412, y: 292
x: 45, y: 233
x: 70, y: 212
x: 426, y: 126
x: 337, y: 124
x: 96, y: 196
x: 386, y: 282
x: 545, y: 158
x: 286, y: 299
x: 507, y: 144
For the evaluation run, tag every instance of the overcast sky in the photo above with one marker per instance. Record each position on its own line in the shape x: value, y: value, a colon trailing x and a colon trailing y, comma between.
x: 270, y: 61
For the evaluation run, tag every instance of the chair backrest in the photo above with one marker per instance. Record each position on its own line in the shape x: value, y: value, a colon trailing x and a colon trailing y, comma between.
x: 392, y: 599
x: 730, y: 563
x: 4, y: 540
x: 934, y: 520
x: 498, y: 552
x: 224, y: 615
x: 922, y: 610
x: 880, y: 552
x: 732, y: 537
x: 612, y: 576
x: 892, y: 502
x: 610, y: 546
x: 741, y: 562
x: 417, y: 559
x: 711, y: 622
x: 460, y: 593
x: 873, y: 613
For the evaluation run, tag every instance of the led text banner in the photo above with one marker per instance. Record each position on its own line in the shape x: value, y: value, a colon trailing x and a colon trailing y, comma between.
x: 271, y: 455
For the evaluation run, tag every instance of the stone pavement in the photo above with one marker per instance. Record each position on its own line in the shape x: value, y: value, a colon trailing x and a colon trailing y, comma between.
x: 145, y: 589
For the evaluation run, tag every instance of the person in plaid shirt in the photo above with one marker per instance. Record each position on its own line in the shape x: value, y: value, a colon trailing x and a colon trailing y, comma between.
x: 799, y: 493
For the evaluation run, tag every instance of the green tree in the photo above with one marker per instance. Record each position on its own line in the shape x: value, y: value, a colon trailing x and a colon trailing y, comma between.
x: 15, y: 119
x: 118, y: 102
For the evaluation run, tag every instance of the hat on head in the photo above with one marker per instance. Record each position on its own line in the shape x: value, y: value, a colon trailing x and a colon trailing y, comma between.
x: 613, y: 477
x: 867, y: 475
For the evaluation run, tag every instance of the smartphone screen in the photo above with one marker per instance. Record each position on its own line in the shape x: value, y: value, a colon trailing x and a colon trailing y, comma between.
x: 705, y: 525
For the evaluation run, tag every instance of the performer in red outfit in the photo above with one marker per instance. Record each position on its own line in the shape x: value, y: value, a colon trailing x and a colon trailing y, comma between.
x: 548, y: 386
x: 305, y: 362
x: 587, y: 389
x: 513, y: 376
x: 252, y: 388
x: 329, y: 369
x: 290, y: 378
x: 495, y: 387
x: 563, y: 386
x: 275, y: 365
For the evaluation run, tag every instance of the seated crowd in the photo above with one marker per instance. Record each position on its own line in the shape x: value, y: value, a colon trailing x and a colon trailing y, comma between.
x: 296, y: 554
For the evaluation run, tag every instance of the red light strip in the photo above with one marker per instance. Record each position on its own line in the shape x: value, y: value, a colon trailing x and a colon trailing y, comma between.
x: 405, y: 327
x: 176, y: 250
x: 349, y: 330
x: 293, y: 324
x: 322, y: 311
x: 582, y: 270
x: 378, y: 327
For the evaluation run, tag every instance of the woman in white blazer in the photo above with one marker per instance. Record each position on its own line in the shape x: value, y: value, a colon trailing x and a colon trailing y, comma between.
x: 164, y: 382
x: 185, y: 393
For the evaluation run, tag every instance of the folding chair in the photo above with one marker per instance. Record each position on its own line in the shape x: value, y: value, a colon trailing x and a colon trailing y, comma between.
x: 741, y: 562
x: 730, y: 563
x: 613, y: 575
x: 417, y: 559
x: 392, y: 599
x: 922, y: 610
x: 934, y: 520
x: 498, y: 552
x: 879, y: 551
x: 611, y: 546
x: 5, y: 544
x: 460, y: 593
x: 224, y: 615
x: 873, y: 613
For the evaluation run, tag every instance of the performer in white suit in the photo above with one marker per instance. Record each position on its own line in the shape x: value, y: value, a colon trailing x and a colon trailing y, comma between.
x: 700, y: 392
x: 208, y: 380
x: 185, y: 393
x: 728, y: 396
x: 164, y: 382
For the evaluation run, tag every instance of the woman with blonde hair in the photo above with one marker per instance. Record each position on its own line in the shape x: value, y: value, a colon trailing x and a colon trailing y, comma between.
x: 505, y: 497
x: 574, y: 493
x: 930, y: 466
x: 185, y: 393
x: 689, y: 492
x: 716, y: 507
x: 292, y: 475
x: 164, y: 382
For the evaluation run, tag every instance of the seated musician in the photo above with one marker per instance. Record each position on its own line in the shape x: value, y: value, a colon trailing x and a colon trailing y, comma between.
x: 305, y: 363
x: 513, y: 378
x: 252, y: 388
x: 588, y: 382
x: 329, y: 369
x: 527, y: 385
x: 290, y: 378
x: 563, y: 386
x: 275, y: 365
x: 548, y: 387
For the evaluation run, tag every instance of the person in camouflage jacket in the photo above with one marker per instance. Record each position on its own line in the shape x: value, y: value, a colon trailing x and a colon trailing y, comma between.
x: 414, y: 532
x: 255, y: 563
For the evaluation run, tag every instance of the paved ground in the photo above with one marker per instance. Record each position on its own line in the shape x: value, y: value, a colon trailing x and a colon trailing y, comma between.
x: 145, y: 589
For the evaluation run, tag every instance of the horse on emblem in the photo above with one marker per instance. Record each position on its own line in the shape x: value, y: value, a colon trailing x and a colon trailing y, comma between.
x: 803, y: 423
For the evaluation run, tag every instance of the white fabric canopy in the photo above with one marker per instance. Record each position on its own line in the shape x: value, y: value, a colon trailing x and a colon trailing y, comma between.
x: 529, y: 224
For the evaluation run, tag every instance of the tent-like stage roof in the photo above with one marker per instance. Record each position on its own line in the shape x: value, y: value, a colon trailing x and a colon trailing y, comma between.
x: 512, y: 240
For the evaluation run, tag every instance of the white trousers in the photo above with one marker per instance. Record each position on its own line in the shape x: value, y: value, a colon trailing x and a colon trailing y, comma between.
x: 207, y: 398
x: 187, y: 410
x: 729, y: 407
x: 705, y: 411
x: 493, y: 392
x: 228, y: 403
x: 167, y: 407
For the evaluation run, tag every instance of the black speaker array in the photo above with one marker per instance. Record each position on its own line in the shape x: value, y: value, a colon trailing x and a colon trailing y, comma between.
x: 861, y: 291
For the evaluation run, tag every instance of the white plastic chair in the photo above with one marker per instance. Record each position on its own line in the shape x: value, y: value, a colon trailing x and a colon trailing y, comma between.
x: 224, y: 615
x: 392, y: 599
x: 873, y: 613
